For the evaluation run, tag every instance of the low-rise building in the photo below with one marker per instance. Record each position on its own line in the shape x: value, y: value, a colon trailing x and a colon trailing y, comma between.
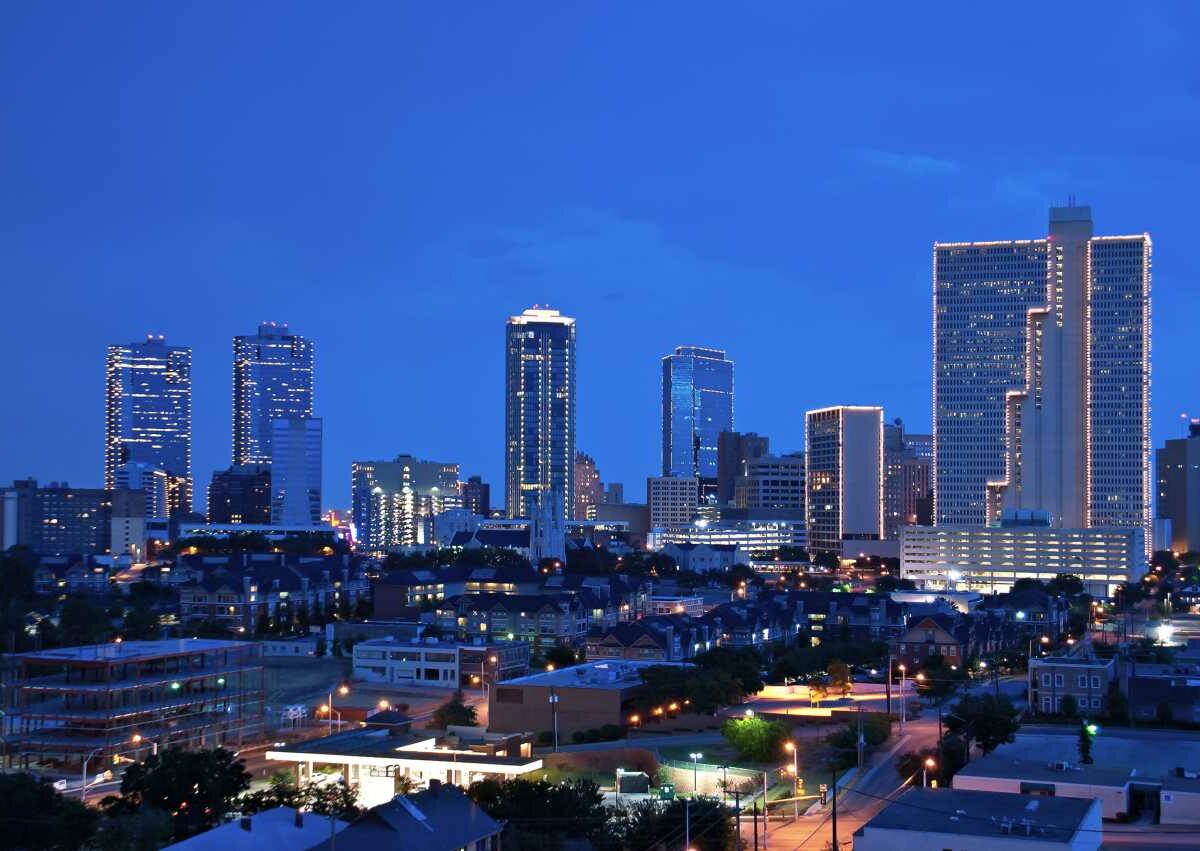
x: 1134, y: 774
x: 936, y: 820
x: 280, y: 829
x: 291, y: 646
x: 581, y: 697
x: 932, y: 635
x: 704, y: 558
x: 1086, y: 679
x: 540, y: 619
x: 683, y: 604
x: 123, y: 699
x: 437, y: 663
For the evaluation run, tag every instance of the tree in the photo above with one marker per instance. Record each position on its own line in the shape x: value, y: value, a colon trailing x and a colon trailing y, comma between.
x: 1069, y: 706
x: 195, y: 787
x: 827, y: 560
x: 140, y: 624
x: 322, y: 646
x: 1117, y: 704
x: 744, y: 664
x: 454, y: 712
x: 818, y: 689
x: 1163, y: 713
x: 1086, y: 734
x: 886, y: 584
x: 34, y: 815
x: 147, y: 829
x: 647, y: 824
x: 839, y: 677
x: 755, y: 738
x: 540, y: 813
x: 561, y: 657
x: 82, y: 622
x: 1067, y: 584
x: 986, y: 719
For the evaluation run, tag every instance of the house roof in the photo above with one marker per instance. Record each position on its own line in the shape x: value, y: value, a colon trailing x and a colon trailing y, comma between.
x: 441, y: 818
x: 991, y: 814
x: 273, y: 829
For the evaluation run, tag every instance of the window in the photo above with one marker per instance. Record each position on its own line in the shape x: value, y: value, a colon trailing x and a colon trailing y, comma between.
x: 1082, y: 680
x: 1045, y: 703
x: 510, y: 695
x: 1095, y: 681
x: 1095, y: 703
x: 952, y: 651
x: 1046, y: 680
x: 1058, y: 680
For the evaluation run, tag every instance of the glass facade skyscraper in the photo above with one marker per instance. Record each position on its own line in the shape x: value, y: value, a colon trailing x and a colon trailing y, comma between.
x: 1054, y: 335
x: 272, y: 379
x: 539, y: 419
x: 296, y: 471
x: 697, y: 405
x: 148, y: 414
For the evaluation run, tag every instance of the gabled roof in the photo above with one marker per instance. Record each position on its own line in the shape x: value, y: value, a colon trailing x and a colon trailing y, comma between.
x: 441, y: 818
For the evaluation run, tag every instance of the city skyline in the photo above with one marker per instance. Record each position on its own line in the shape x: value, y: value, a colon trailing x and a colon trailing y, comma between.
x: 659, y: 241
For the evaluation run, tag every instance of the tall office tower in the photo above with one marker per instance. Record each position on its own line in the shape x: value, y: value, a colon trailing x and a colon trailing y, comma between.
x: 672, y: 500
x: 772, y: 481
x: 296, y: 471
x: 241, y: 494
x: 150, y: 480
x: 843, y: 476
x: 1042, y: 377
x: 1177, y: 468
x: 148, y: 414
x: 272, y: 379
x: 697, y: 405
x: 614, y: 494
x: 589, y: 491
x: 539, y: 416
x: 906, y: 485
x: 476, y: 496
x: 393, y: 502
x: 734, y: 451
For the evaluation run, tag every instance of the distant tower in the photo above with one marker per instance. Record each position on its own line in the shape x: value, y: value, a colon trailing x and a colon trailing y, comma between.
x: 296, y: 472
x: 539, y: 422
x: 148, y: 414
x: 844, y: 476
x: 697, y: 405
x: 272, y: 379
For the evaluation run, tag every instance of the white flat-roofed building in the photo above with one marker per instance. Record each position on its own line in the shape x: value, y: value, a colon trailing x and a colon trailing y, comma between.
x: 990, y: 559
x: 437, y: 663
x: 938, y: 819
x: 672, y: 500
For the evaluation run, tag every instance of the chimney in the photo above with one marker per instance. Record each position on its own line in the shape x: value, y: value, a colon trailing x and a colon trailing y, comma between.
x: 299, y: 818
x: 245, y: 823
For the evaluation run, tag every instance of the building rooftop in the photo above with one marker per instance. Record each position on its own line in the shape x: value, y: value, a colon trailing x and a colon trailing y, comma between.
x: 274, y: 829
x: 130, y: 651
x: 1035, y: 818
x: 1117, y: 760
x: 435, y: 819
x: 387, y: 744
x: 435, y: 643
x: 601, y: 675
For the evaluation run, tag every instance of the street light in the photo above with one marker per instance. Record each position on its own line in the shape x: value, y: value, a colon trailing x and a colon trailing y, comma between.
x: 929, y: 763
x: 791, y: 748
x: 342, y: 690
x: 83, y: 774
x: 695, y: 770
x: 903, y: 706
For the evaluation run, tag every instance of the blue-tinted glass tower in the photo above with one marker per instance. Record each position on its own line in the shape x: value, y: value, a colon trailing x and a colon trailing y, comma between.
x: 148, y: 414
x: 272, y: 379
x: 697, y: 400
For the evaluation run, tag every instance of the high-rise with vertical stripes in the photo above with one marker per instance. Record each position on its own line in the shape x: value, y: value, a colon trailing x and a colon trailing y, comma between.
x: 1041, y: 382
x: 272, y: 379
x: 539, y: 411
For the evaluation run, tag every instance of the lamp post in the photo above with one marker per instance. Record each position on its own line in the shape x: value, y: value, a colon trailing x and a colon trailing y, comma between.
x: 696, y: 757
x: 83, y: 774
x: 929, y: 763
x: 791, y: 748
x: 342, y: 690
x: 483, y: 674
x: 903, y: 705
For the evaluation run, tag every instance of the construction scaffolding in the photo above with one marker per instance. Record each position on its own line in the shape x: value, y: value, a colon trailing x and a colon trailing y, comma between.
x: 125, y: 700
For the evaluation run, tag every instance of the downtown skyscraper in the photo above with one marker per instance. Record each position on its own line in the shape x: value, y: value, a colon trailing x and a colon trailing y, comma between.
x: 148, y: 414
x: 697, y: 405
x: 272, y: 379
x: 1042, y: 378
x: 539, y: 411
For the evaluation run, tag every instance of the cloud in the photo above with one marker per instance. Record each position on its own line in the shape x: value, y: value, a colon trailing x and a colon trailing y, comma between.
x: 908, y: 163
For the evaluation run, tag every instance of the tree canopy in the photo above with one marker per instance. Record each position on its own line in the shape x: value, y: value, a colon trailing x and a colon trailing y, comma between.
x: 986, y: 719
x: 756, y: 738
x: 35, y: 815
x: 454, y: 712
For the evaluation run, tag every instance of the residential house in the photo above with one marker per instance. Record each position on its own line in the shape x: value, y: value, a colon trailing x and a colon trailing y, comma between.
x: 932, y: 635
x: 539, y: 619
x: 1087, y: 679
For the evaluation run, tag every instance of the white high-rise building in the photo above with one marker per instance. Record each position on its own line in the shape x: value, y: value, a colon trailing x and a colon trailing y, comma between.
x: 1042, y: 378
x: 844, y: 476
x: 296, y: 471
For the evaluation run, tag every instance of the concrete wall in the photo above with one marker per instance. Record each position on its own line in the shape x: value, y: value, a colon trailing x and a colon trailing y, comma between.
x: 578, y: 709
x: 1113, y: 800
x: 1179, y: 807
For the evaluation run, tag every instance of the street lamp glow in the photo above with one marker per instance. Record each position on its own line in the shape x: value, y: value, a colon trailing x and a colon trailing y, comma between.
x: 749, y: 713
x: 789, y: 746
x: 929, y: 763
x: 1165, y: 633
x: 343, y: 690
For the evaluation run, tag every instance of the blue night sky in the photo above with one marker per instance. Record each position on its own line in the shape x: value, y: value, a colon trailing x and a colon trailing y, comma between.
x: 394, y: 180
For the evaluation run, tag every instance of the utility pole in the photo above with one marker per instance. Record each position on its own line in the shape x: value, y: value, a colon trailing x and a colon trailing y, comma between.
x: 755, y: 811
x: 737, y: 814
x: 554, y: 711
x: 887, y: 684
x: 833, y: 789
x: 687, y: 824
x: 861, y: 741
x: 764, y: 811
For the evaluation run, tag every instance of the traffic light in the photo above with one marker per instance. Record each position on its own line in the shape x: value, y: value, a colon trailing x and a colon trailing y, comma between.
x: 824, y: 794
